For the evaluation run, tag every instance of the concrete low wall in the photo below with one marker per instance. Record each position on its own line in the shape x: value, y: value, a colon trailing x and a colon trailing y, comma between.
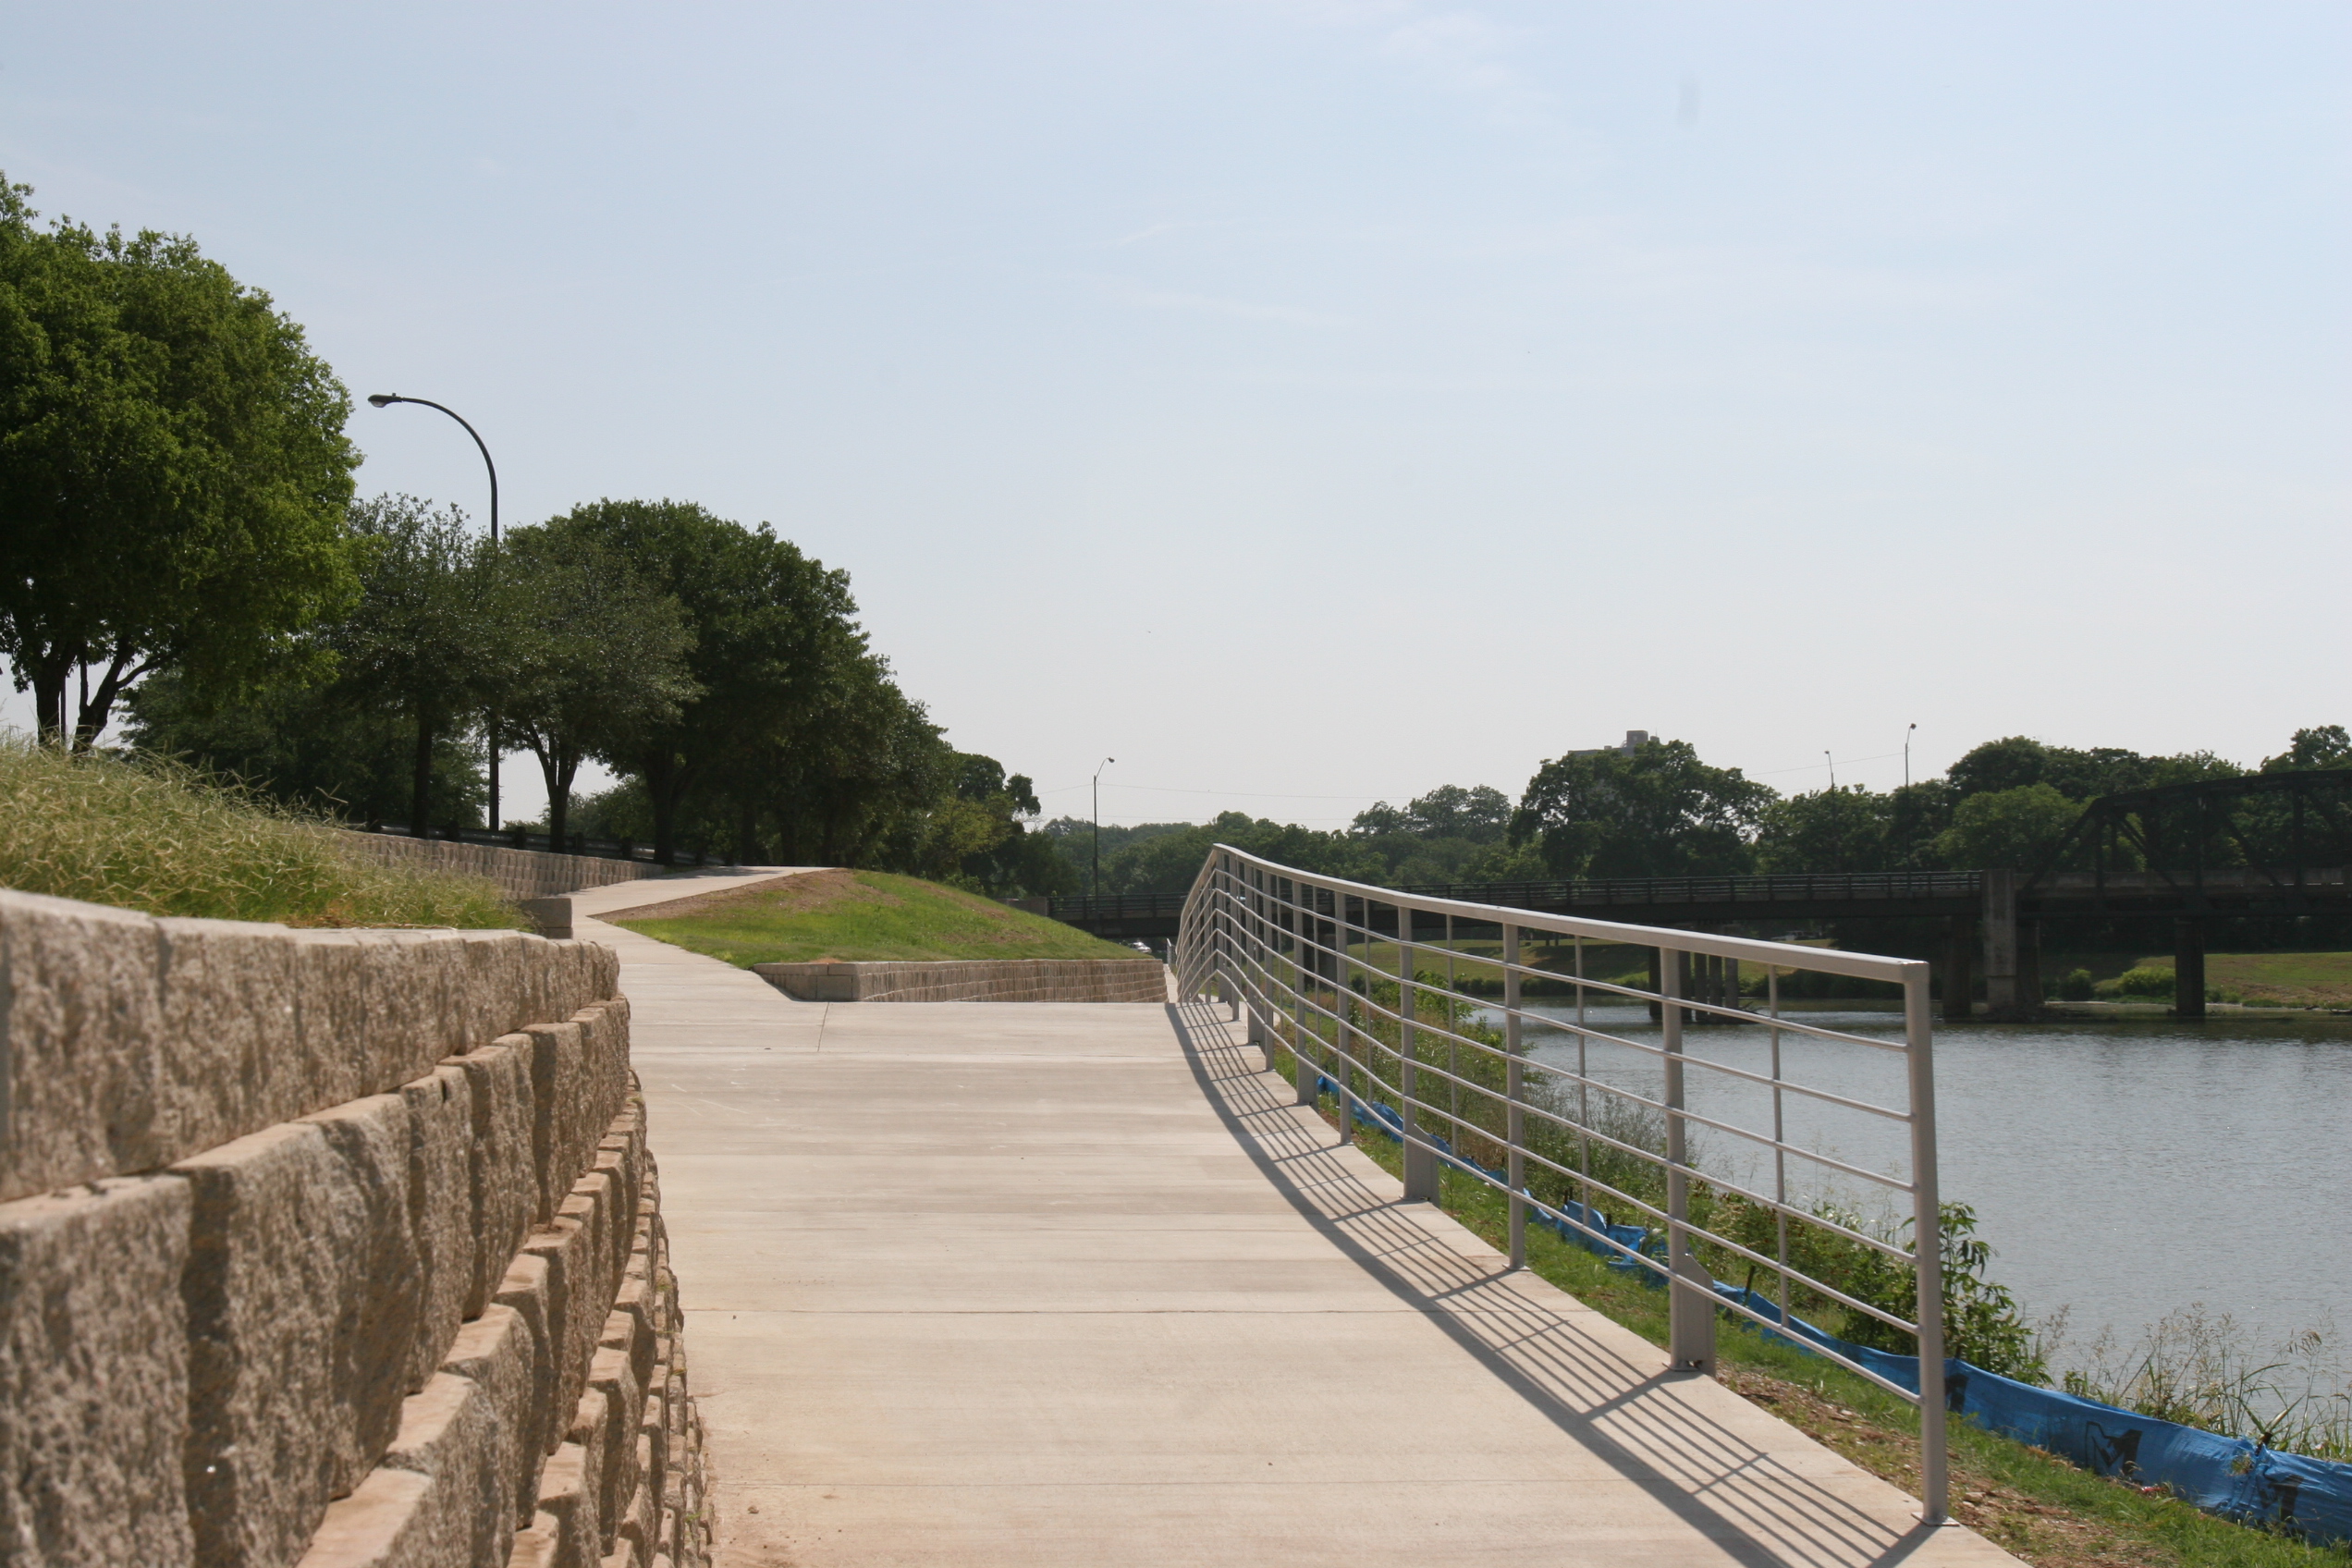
x: 520, y: 873
x: 981, y: 980
x: 329, y: 1248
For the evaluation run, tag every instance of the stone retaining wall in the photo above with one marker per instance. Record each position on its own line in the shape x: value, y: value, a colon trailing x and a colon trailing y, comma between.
x: 329, y: 1248
x: 981, y: 980
x: 520, y: 873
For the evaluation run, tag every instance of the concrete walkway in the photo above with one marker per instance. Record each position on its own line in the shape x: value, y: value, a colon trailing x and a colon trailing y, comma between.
x: 976, y: 1284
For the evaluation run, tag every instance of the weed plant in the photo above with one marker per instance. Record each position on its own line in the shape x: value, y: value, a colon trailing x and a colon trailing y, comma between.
x: 150, y: 834
x: 2204, y: 1369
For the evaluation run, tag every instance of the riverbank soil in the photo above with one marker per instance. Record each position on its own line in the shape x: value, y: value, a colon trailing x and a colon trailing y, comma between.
x: 2030, y: 1503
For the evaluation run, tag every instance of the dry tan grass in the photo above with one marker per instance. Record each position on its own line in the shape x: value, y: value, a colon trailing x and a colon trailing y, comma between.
x: 159, y: 836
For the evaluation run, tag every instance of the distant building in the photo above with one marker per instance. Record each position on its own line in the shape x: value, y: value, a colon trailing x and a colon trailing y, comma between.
x: 1635, y: 741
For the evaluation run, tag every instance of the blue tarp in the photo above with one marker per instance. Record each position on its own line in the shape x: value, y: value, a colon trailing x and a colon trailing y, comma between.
x: 2232, y: 1478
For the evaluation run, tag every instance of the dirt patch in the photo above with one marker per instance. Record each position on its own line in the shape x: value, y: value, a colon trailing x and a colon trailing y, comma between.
x: 791, y: 895
x: 2045, y: 1536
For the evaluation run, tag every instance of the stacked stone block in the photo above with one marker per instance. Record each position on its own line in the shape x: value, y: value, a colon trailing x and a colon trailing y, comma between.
x: 328, y: 1248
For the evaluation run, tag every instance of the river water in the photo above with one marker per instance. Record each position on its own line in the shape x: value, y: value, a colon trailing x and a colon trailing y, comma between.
x: 2120, y: 1170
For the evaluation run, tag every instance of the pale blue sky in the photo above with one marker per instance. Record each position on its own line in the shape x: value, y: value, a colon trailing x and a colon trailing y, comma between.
x: 1311, y: 402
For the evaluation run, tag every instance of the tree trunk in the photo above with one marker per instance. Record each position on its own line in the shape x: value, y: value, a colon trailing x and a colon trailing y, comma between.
x: 420, y: 786
x: 49, y: 676
x: 663, y: 783
x: 559, y: 799
x: 98, y: 707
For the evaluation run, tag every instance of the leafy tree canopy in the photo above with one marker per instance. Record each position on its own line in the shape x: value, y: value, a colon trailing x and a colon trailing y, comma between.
x: 776, y: 652
x: 173, y: 467
x: 2017, y: 827
x: 595, y: 656
x: 1655, y: 811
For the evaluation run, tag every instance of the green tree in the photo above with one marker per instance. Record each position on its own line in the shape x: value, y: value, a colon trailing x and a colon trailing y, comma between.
x: 173, y: 468
x: 2017, y: 828
x: 2322, y: 746
x: 776, y: 657
x: 1657, y: 811
x: 306, y: 744
x: 426, y: 635
x: 1827, y: 830
x: 595, y: 657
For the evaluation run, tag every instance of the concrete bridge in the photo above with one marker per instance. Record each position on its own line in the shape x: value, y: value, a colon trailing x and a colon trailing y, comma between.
x: 979, y: 1284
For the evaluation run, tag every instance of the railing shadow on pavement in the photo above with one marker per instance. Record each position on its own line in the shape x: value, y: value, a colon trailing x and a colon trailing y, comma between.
x: 1739, y: 1496
x: 1365, y: 988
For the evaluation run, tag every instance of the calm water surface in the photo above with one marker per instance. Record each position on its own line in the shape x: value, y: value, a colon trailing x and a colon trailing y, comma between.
x: 2119, y: 1169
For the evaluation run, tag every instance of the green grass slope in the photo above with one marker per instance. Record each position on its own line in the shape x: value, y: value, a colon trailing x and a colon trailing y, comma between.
x: 153, y: 836
x: 857, y: 915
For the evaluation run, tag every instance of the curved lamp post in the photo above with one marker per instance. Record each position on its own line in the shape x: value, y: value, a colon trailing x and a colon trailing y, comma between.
x: 384, y: 400
x: 1094, y: 881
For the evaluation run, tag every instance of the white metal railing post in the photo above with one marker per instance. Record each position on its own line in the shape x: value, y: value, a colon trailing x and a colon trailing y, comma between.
x: 1514, y: 1085
x: 1345, y: 1102
x: 1302, y: 928
x: 1420, y: 1161
x: 1926, y: 1246
x: 1690, y: 1316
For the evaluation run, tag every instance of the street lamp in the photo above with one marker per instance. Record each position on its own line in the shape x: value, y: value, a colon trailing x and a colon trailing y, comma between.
x: 384, y: 400
x: 1094, y: 879
x: 1833, y: 762
x: 1906, y: 757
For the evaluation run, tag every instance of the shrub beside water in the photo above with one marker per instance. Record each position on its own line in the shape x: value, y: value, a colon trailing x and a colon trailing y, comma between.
x: 159, y: 836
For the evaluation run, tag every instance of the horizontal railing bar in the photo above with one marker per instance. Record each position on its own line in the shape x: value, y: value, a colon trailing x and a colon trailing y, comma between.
x: 1864, y: 966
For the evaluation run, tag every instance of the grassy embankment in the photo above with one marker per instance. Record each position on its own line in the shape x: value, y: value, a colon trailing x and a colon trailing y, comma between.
x: 859, y: 915
x: 2273, y: 979
x: 160, y: 837
x: 2034, y: 1504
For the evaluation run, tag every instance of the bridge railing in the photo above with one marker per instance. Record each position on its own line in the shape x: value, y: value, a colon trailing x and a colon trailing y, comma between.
x: 1665, y: 1105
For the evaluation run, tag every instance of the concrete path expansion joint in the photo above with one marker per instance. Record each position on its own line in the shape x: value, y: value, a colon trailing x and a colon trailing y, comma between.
x: 1010, y: 1284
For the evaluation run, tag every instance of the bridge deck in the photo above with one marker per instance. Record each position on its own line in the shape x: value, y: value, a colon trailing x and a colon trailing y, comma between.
x: 977, y: 1284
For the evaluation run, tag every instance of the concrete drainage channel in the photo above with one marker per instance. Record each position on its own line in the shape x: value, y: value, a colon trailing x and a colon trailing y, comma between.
x: 329, y: 1248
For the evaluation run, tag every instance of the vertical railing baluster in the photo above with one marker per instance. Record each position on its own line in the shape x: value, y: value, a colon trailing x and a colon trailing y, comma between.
x: 1514, y: 1085
x: 1584, y: 1094
x: 1690, y: 1300
x: 1779, y: 1136
x: 1927, y: 1247
x: 1421, y: 1177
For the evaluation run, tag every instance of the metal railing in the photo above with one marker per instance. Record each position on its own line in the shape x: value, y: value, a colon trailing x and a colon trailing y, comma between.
x: 1579, y: 1105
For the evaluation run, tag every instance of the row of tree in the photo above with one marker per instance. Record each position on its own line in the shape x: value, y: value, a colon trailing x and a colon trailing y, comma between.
x: 177, y: 531
x: 1660, y: 810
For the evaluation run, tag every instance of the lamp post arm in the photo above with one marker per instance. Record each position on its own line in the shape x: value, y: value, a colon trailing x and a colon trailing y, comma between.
x: 480, y: 445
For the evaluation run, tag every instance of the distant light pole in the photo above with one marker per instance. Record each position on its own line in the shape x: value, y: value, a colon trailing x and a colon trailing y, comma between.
x: 1906, y: 757
x: 1833, y: 762
x: 1094, y: 879
x: 384, y: 400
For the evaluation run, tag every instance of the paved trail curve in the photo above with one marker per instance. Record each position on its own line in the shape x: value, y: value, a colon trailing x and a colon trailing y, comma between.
x: 974, y: 1284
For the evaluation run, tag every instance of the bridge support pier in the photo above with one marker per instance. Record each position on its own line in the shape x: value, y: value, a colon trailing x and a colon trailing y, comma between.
x: 2189, y: 970
x: 1959, y: 974
x: 2004, y: 994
